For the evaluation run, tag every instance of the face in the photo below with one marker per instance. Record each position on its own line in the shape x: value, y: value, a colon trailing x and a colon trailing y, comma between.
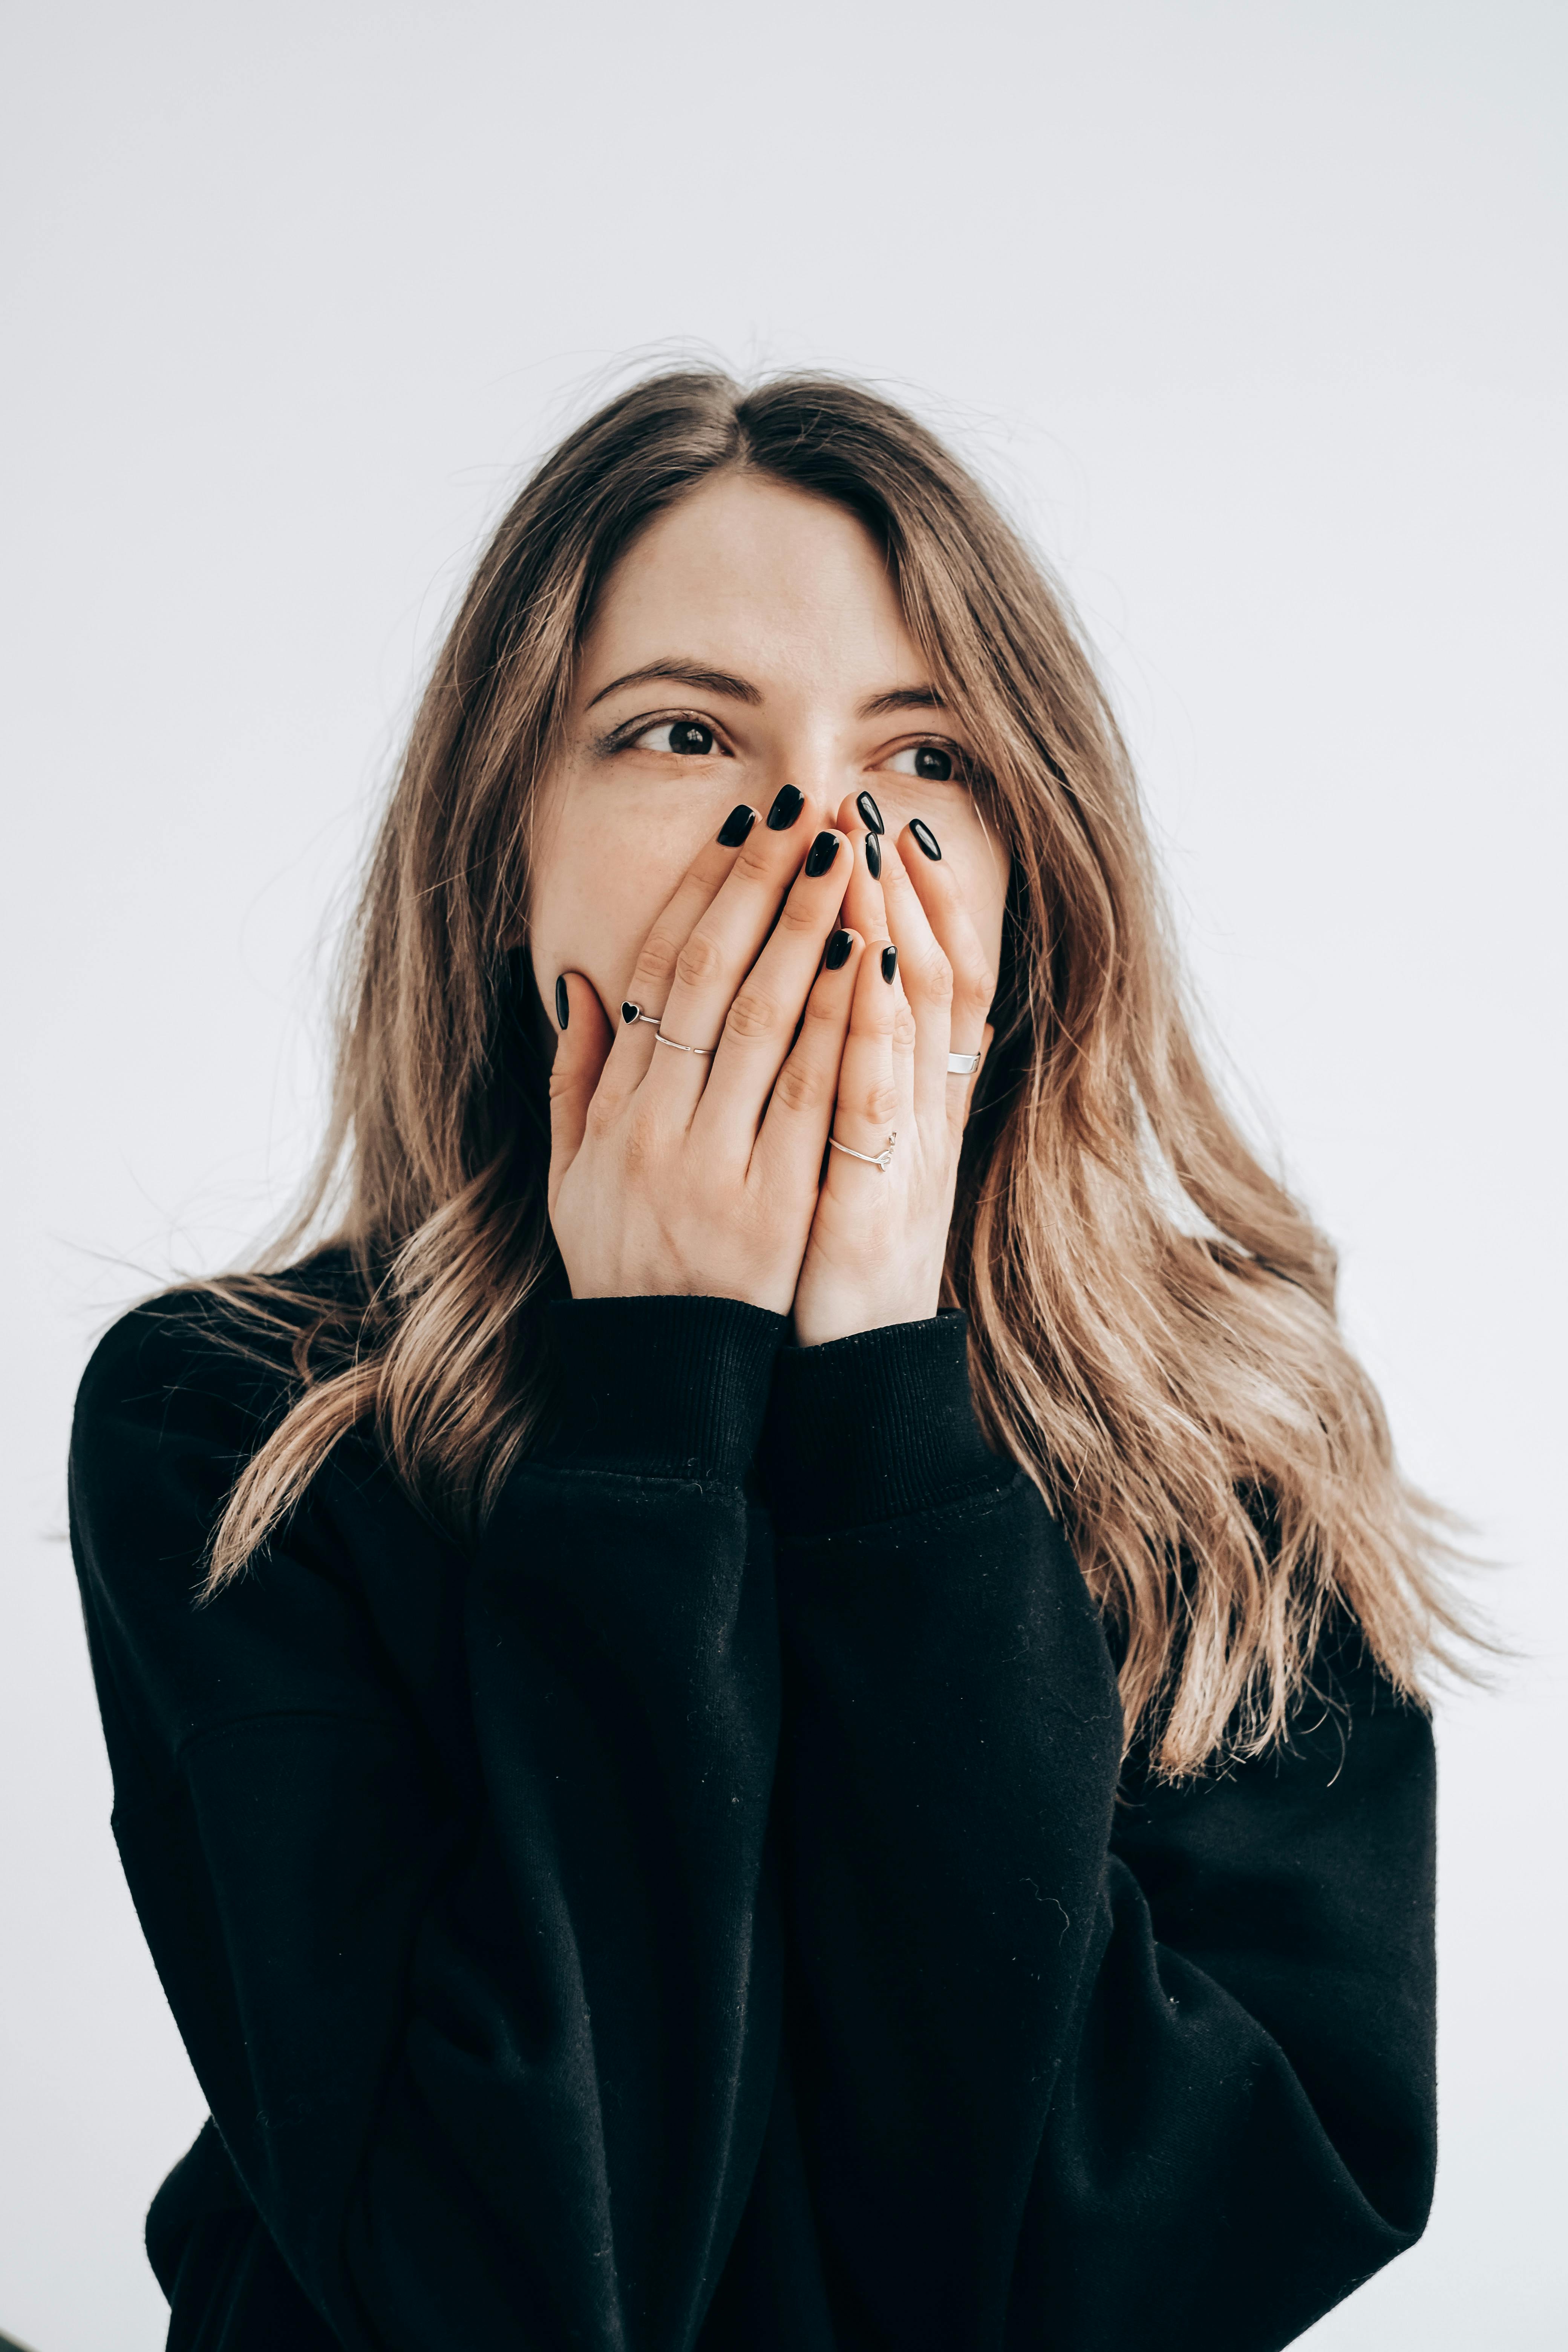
x: 748, y: 640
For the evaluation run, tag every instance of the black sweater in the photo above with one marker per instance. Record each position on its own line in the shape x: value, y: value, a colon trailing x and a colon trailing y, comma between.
x: 701, y: 1913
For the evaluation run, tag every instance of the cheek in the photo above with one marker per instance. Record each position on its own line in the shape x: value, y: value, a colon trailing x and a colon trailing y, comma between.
x: 604, y: 867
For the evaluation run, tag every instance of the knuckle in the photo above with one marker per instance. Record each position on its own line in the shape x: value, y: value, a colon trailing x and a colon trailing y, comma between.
x: 979, y: 986
x: 755, y: 861
x: 697, y: 961
x: 799, y: 918
x: 904, y: 1029
x: 798, y: 1088
x: 640, y: 1144
x: 656, y: 964
x: 881, y: 1102
x: 601, y: 1119
x: 752, y: 1014
x: 932, y: 978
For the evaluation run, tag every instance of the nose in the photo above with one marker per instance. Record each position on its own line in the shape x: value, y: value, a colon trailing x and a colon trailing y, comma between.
x: 810, y: 759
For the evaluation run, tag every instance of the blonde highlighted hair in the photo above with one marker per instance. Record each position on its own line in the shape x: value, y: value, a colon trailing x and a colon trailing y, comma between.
x: 1176, y: 1384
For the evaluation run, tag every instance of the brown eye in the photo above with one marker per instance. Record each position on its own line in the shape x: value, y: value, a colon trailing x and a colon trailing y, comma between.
x: 929, y: 761
x: 687, y: 738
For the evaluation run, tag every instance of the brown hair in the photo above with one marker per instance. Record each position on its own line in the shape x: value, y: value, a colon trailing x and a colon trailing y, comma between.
x: 1177, y: 1385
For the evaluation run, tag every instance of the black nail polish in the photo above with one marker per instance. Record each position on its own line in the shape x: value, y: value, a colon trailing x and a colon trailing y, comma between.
x: 563, y: 1003
x: 870, y: 813
x: 821, y: 854
x: 785, y: 809
x: 837, y: 952
x: 736, y: 826
x: 873, y: 858
x: 889, y: 964
x: 926, y: 837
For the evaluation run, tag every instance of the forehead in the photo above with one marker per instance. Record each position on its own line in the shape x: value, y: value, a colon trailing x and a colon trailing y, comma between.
x: 749, y: 573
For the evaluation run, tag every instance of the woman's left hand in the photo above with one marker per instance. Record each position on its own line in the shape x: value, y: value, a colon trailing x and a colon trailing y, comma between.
x: 878, y: 1239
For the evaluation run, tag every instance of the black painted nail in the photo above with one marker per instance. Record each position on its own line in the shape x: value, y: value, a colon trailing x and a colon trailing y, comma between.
x: 563, y: 1003
x: 837, y: 952
x: 785, y: 809
x: 926, y: 837
x: 873, y: 858
x: 870, y: 813
x: 889, y: 964
x: 629, y: 1014
x: 821, y: 854
x: 736, y: 826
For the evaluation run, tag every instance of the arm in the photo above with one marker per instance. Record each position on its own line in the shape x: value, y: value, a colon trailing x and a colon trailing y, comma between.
x: 482, y: 2059
x: 1069, y: 2072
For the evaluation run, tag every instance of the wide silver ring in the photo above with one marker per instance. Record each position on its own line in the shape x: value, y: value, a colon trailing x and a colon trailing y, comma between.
x: 882, y: 1159
x: 631, y: 1013
x: 962, y: 1066
x: 675, y: 1046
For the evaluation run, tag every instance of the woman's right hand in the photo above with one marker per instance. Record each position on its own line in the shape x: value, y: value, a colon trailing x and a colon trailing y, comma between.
x: 679, y: 1173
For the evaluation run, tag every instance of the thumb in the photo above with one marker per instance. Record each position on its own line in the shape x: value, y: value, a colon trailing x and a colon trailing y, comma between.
x: 582, y: 1047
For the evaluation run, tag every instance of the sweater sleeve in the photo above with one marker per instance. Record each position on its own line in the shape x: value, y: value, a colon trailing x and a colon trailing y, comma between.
x: 482, y: 2058
x: 1070, y: 2067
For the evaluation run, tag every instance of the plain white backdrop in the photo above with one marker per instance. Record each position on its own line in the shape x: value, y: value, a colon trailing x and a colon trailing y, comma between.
x: 1255, y: 312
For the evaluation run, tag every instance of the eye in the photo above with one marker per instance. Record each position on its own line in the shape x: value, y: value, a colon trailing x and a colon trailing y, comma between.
x: 933, y: 762
x: 687, y: 738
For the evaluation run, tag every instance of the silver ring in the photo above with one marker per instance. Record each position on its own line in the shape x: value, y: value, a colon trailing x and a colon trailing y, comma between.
x: 630, y: 1013
x: 675, y: 1046
x: 882, y: 1159
x: 962, y: 1066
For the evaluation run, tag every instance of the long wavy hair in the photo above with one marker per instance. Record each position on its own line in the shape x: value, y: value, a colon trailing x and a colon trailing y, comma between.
x: 1175, y: 1382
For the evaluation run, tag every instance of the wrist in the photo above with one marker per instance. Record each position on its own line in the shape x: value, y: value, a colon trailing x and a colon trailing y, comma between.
x: 874, y: 1426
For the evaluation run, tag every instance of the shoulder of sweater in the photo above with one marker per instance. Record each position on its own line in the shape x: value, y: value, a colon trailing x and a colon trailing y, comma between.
x: 212, y: 1349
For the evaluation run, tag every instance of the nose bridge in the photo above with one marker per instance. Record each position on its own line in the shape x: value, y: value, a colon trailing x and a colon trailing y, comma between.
x: 810, y: 747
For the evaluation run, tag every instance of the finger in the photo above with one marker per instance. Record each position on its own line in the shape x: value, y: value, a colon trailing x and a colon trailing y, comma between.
x: 799, y: 1114
x: 652, y: 975
x: 760, y: 1025
x: 582, y: 1046
x: 973, y: 982
x: 717, y: 974
x: 868, y: 1110
x: 925, y: 975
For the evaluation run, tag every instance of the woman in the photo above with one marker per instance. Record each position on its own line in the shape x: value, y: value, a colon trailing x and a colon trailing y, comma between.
x: 779, y: 1707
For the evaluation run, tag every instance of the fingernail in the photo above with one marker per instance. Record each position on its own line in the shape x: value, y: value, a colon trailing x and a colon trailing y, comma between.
x: 870, y: 813
x: 873, y: 858
x: 837, y: 952
x: 926, y: 837
x: 736, y: 826
x: 562, y: 1002
x: 821, y: 854
x: 889, y: 964
x: 785, y: 809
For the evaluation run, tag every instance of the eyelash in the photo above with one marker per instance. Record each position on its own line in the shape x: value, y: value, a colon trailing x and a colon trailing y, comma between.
x: 622, y: 738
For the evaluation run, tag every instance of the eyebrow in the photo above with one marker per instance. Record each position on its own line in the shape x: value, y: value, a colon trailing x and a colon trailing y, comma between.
x: 684, y: 672
x: 902, y: 698
x: 678, y: 671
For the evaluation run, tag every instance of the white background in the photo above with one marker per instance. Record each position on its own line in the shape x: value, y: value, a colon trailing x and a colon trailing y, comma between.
x: 1254, y: 311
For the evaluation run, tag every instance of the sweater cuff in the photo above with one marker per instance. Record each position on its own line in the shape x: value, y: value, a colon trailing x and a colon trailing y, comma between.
x: 660, y: 1387
x: 873, y: 1426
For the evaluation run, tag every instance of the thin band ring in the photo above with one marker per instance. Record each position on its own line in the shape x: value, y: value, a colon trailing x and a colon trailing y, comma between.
x: 631, y: 1013
x: 675, y: 1046
x: 882, y: 1159
x: 962, y: 1066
